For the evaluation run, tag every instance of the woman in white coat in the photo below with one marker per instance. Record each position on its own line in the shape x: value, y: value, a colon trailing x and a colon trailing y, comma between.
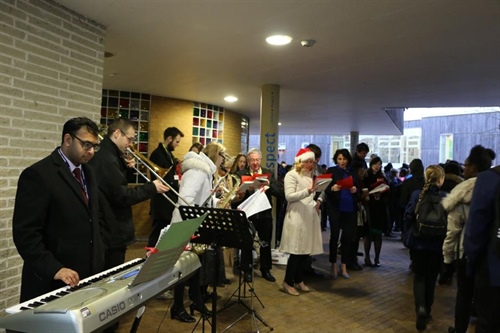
x: 301, y: 229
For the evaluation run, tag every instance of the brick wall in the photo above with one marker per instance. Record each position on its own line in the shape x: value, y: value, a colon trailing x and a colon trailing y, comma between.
x: 51, y: 65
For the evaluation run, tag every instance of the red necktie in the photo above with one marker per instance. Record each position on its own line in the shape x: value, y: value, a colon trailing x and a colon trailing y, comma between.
x: 78, y: 176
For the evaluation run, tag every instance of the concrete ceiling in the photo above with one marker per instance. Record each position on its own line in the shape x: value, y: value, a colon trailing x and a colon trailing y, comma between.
x: 369, y: 55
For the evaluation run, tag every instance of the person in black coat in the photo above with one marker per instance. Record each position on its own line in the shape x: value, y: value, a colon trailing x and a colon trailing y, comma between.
x: 162, y: 156
x: 262, y: 221
x: 55, y: 224
x: 115, y: 196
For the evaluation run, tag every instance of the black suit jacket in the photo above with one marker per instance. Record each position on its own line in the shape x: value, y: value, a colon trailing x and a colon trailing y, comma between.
x: 53, y: 227
x: 161, y: 208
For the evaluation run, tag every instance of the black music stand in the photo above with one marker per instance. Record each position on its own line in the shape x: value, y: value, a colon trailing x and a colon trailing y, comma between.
x: 222, y: 227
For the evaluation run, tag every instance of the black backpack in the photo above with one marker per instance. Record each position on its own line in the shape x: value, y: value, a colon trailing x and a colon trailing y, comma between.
x: 431, y: 220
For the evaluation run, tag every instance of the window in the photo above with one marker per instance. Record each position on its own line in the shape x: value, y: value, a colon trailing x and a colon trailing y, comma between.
x: 445, y: 147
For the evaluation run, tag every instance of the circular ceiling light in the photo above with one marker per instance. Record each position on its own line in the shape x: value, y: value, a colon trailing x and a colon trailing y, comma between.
x: 230, y: 99
x: 279, y: 40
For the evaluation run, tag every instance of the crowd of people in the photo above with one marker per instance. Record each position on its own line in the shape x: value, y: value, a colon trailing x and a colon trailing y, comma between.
x: 363, y: 200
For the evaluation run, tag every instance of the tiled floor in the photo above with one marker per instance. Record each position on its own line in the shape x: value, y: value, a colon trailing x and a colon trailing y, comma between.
x: 372, y: 300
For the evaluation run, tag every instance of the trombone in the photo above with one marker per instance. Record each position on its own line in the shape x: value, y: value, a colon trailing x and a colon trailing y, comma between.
x: 156, y: 171
x: 153, y: 168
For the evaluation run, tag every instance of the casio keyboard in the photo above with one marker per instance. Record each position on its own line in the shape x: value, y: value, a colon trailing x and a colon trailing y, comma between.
x: 96, y: 301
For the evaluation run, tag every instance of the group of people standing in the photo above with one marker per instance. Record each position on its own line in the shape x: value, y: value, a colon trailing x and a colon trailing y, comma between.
x: 73, y: 216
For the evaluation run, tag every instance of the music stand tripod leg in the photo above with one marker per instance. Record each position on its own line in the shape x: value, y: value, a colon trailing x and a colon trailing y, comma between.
x: 137, y: 319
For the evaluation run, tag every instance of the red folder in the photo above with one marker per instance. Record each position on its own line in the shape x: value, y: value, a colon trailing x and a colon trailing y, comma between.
x: 346, y: 183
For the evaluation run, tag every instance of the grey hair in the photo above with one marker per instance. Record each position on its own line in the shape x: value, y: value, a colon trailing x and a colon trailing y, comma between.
x: 254, y: 151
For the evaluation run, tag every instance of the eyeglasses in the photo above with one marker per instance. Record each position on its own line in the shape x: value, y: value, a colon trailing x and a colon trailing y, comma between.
x: 130, y: 139
x: 87, y: 145
x: 221, y: 154
x: 251, y: 160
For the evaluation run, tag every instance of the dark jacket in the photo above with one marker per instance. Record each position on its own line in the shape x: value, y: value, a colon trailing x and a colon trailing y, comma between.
x: 52, y: 226
x: 161, y: 208
x: 478, y: 234
x: 115, y: 196
x: 357, y: 160
x: 333, y: 199
x: 416, y: 182
x: 450, y: 181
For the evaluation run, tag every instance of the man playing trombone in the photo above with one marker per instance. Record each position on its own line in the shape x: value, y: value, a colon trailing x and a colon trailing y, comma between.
x: 163, y: 157
x: 115, y: 196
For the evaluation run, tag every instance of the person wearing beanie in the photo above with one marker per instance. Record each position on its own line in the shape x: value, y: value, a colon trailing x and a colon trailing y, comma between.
x: 301, y: 235
x: 452, y: 177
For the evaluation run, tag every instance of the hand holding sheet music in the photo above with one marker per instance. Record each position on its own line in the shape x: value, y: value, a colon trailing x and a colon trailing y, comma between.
x: 256, y: 203
x: 322, y: 181
x: 346, y: 183
x: 255, y: 181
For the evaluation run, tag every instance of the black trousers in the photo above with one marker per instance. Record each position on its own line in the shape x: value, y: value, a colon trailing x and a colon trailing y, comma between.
x: 487, y: 300
x: 345, y: 221
x: 263, y: 223
x: 295, y: 268
x: 465, y: 293
x: 426, y: 267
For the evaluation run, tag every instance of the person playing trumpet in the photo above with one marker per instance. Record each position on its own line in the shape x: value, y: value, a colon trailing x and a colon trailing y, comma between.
x: 115, y: 196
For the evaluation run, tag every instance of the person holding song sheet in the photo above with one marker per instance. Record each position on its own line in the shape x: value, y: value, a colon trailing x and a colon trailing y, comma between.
x: 375, y: 181
x: 55, y: 224
x: 301, y: 229
x: 263, y: 221
x: 341, y: 201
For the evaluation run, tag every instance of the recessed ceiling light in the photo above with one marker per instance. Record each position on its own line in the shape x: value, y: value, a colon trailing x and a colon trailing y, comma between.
x: 230, y: 99
x: 279, y: 124
x: 279, y: 40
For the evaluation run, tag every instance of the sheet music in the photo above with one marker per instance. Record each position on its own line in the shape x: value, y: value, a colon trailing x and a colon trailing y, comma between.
x: 170, y: 246
x: 255, y: 203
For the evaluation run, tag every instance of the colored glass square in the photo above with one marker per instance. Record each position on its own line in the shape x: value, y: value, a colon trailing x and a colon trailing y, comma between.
x: 202, y: 141
x: 113, y: 102
x: 144, y: 105
x: 208, y: 133
x: 221, y: 116
x: 113, y: 93
x: 134, y: 115
x: 214, y: 123
x: 196, y: 112
x: 214, y: 134
x: 203, y: 123
x: 124, y: 94
x: 195, y: 131
x: 135, y: 95
x: 203, y: 113
x: 123, y: 113
x: 144, y: 116
x: 209, y: 124
x: 209, y: 114
x: 146, y: 96
x: 135, y: 104
x: 208, y: 140
x: 104, y: 101
x: 143, y: 147
x: 143, y: 126
x: 202, y: 132
x: 143, y: 136
x: 104, y: 112
x: 196, y: 121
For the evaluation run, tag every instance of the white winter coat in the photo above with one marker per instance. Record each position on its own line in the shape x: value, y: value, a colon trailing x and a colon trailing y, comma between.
x: 196, y: 184
x: 457, y: 205
x: 301, y: 228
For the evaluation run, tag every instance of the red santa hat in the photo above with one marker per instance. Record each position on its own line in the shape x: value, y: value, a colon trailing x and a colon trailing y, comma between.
x: 303, y: 155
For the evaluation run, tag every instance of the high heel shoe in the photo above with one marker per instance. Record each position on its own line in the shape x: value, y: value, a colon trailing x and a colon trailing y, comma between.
x: 302, y: 286
x: 181, y: 315
x: 290, y: 290
x: 204, y: 311
x: 344, y: 273
x: 334, y: 271
x: 377, y: 263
